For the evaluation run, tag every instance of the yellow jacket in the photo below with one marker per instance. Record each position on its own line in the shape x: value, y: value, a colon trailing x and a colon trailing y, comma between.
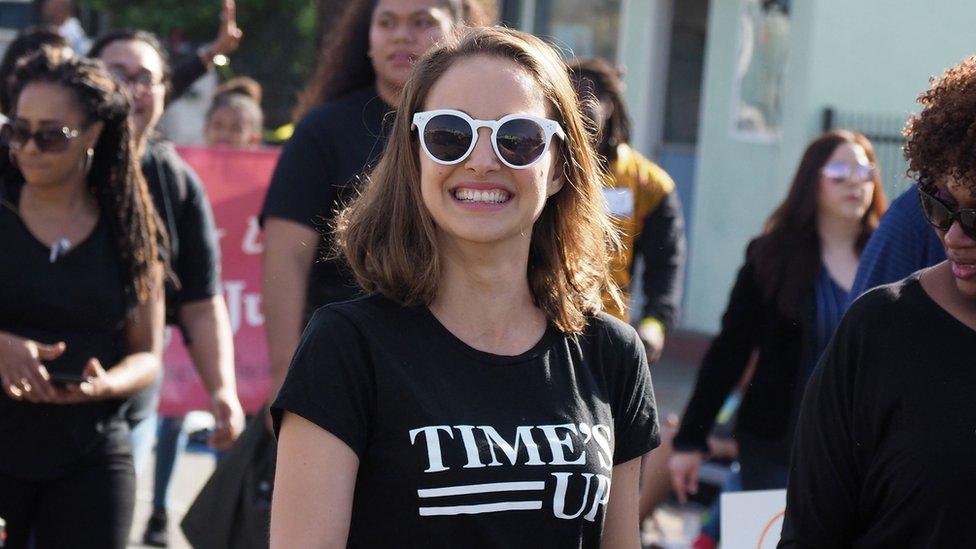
x: 634, y: 189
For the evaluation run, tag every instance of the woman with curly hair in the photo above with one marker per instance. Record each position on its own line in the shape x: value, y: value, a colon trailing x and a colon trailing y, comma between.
x: 478, y: 397
x: 81, y: 306
x: 884, y: 449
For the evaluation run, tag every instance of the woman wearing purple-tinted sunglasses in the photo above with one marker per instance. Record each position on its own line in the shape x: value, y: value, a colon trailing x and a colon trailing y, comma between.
x: 786, y: 301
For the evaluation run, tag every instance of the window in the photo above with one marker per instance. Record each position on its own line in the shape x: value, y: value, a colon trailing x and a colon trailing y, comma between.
x: 585, y: 28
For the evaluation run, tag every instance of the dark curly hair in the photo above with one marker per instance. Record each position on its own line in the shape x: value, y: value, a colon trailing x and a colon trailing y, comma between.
x: 28, y: 41
x: 115, y: 178
x: 941, y: 140
x: 344, y: 65
x: 604, y: 79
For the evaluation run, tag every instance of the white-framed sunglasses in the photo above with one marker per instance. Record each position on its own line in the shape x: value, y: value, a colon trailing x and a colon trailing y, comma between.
x: 448, y: 136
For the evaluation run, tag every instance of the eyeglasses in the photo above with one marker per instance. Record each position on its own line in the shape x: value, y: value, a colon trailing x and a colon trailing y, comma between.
x: 138, y: 83
x: 942, y: 217
x: 50, y: 140
x: 448, y: 136
x: 842, y: 171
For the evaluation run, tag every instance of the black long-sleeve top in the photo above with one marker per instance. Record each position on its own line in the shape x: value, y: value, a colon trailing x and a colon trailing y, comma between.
x: 661, y: 245
x: 750, y: 322
x: 883, y: 453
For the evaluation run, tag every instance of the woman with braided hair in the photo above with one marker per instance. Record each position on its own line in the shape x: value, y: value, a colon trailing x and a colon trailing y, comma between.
x: 81, y: 304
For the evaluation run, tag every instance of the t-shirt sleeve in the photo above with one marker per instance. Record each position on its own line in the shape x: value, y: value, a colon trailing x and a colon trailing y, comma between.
x: 198, y: 264
x: 302, y: 187
x: 636, y: 430
x: 330, y: 381
x: 823, y: 487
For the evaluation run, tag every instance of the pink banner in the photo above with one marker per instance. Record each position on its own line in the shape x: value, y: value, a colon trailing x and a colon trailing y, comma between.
x: 236, y: 181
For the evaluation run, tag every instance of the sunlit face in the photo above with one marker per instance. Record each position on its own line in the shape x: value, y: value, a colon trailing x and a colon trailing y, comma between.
x: 141, y: 68
x: 480, y: 199
x: 229, y: 126
x: 43, y: 105
x: 960, y: 247
x: 846, y: 183
x: 400, y: 32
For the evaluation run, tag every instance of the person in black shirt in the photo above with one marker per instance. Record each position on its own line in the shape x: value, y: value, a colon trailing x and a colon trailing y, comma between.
x: 884, y: 446
x: 478, y: 396
x: 81, y: 305
x: 362, y: 66
x: 196, y: 305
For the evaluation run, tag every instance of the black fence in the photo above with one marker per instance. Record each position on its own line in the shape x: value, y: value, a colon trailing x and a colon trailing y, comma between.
x: 884, y: 131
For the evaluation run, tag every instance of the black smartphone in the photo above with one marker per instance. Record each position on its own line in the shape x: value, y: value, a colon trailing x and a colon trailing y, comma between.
x: 63, y: 380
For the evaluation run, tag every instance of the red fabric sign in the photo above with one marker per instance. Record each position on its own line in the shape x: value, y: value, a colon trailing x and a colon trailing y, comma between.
x: 236, y: 181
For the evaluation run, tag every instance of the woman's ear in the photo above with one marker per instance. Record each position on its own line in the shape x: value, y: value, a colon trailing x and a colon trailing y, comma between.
x: 555, y: 182
x: 92, y: 134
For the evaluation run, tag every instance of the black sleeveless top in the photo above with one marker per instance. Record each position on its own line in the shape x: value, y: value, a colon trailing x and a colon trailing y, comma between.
x: 78, y: 298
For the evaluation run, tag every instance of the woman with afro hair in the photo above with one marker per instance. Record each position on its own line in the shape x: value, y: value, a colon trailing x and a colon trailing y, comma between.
x: 883, y: 452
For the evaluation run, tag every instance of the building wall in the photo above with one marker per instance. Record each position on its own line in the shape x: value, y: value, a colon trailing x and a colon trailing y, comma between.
x: 873, y: 56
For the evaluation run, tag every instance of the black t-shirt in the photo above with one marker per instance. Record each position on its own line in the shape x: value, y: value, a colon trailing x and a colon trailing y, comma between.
x: 183, y: 208
x: 79, y: 299
x: 182, y: 205
x: 883, y: 454
x: 333, y: 144
x: 462, y: 448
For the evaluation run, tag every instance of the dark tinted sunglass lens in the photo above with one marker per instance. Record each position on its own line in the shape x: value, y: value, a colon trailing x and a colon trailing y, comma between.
x: 520, y: 141
x: 19, y: 136
x: 967, y: 219
x: 51, y: 140
x: 447, y: 137
x: 936, y: 212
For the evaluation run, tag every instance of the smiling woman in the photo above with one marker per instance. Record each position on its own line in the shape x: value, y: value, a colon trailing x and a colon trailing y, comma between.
x: 479, y: 396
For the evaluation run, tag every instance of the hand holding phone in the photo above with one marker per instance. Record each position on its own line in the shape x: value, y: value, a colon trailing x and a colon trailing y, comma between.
x: 62, y: 381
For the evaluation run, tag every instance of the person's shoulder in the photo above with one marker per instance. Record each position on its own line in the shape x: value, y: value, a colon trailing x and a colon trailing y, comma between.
x: 322, y: 117
x: 162, y: 150
x: 363, y: 312
x: 884, y: 305
x: 607, y: 329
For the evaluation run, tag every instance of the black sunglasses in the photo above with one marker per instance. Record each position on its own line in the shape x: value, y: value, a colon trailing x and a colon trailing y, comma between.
x: 50, y: 140
x: 942, y: 217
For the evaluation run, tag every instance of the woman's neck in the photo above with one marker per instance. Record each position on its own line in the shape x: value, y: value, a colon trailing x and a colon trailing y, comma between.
x: 141, y: 141
x: 61, y: 200
x: 485, y: 300
x: 388, y: 92
x: 837, y: 232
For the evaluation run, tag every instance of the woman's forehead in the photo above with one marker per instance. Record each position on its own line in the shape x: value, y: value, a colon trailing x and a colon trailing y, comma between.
x: 487, y: 87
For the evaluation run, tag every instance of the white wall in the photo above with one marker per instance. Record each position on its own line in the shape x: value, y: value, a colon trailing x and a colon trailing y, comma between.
x: 873, y: 56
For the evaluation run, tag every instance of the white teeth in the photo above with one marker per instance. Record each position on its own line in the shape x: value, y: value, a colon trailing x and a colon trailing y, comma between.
x: 495, y: 196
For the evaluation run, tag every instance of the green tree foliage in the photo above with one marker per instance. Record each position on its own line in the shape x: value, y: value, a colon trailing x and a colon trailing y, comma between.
x: 278, y: 49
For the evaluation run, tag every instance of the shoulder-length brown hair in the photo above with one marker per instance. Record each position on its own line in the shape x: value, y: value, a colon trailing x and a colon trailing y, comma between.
x: 388, y: 237
x: 787, y: 256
